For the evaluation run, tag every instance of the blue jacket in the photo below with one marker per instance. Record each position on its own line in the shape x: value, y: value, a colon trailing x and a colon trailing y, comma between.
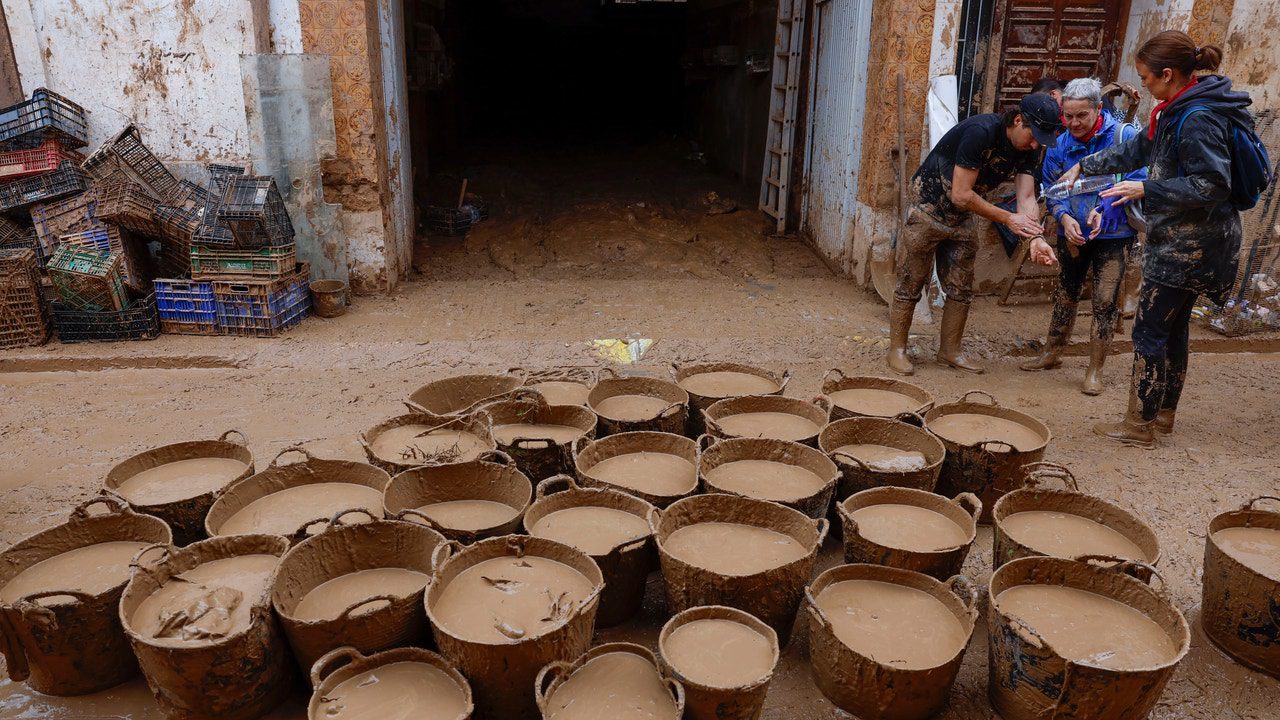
x: 1070, y: 151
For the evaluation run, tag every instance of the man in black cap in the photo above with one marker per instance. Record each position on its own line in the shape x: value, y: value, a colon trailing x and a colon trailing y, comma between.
x: 969, y: 162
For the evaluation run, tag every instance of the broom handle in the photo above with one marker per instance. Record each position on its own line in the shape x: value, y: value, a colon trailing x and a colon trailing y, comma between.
x: 462, y: 194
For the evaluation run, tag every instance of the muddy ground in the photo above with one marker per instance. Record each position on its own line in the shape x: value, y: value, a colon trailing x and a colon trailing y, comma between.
x: 556, y: 270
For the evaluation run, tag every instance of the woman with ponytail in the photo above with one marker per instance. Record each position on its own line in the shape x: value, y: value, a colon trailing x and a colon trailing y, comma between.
x: 1193, y: 229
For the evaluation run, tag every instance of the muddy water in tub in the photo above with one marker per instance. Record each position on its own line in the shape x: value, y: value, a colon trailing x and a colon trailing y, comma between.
x: 631, y: 408
x: 733, y: 548
x: 92, y: 569
x: 1068, y: 536
x: 504, y: 599
x: 724, y: 384
x: 765, y: 479
x: 1255, y: 547
x: 469, y: 515
x: 407, y: 443
x: 563, y: 392
x: 909, y: 527
x: 719, y: 653
x: 973, y: 428
x: 559, y: 434
x: 873, y: 402
x: 894, y: 625
x: 206, y: 603
x: 330, y: 598
x: 613, y: 686
x: 783, y: 426
x: 885, y: 458
x: 593, y: 530
x: 655, y: 473
x: 180, y: 480
x: 1089, y: 628
x: 396, y: 691
x: 283, y: 512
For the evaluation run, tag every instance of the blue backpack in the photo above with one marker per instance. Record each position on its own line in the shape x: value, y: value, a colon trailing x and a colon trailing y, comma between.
x: 1251, y: 170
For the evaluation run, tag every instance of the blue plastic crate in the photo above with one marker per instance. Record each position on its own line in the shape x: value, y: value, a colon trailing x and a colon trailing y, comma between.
x: 186, y: 307
x: 262, y: 308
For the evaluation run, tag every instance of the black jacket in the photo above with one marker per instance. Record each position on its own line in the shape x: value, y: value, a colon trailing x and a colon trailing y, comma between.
x: 1193, y: 232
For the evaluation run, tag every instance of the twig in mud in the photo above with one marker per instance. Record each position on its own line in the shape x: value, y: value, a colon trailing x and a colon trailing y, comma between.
x: 442, y: 456
x: 506, y: 586
x: 560, y: 608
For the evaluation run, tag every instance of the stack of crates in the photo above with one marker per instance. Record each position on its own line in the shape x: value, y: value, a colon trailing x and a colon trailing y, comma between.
x: 22, y: 319
x: 39, y: 140
x: 242, y: 258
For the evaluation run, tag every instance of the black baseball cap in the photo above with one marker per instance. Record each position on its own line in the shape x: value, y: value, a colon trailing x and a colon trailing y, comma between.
x: 1042, y: 114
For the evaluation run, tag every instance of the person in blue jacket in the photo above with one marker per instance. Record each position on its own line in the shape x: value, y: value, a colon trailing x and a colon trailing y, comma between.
x: 1094, y: 236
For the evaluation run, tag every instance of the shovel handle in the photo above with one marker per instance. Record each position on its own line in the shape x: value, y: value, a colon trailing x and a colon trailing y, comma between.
x: 324, y: 666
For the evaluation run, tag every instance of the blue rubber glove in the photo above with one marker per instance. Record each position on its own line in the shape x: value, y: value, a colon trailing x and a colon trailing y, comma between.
x: 1113, y: 216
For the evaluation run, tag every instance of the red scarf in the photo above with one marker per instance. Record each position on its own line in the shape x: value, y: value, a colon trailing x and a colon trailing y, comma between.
x: 1096, y: 127
x: 1155, y: 111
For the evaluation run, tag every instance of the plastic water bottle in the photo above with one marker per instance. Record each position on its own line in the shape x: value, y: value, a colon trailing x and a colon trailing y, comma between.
x: 1089, y: 184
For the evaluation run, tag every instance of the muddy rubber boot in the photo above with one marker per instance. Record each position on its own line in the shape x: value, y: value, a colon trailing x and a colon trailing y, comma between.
x: 951, y: 338
x: 1163, y: 423
x: 900, y: 315
x: 1093, y: 384
x: 1056, y: 341
x: 1132, y: 430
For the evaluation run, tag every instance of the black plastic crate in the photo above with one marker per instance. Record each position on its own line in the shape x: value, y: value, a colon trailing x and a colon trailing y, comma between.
x: 209, y: 230
x: 253, y: 209
x: 126, y: 159
x: 139, y: 321
x: 68, y: 179
x: 46, y: 114
x: 448, y: 221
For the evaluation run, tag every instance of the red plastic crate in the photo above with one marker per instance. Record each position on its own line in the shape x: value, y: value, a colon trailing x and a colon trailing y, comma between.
x: 45, y: 158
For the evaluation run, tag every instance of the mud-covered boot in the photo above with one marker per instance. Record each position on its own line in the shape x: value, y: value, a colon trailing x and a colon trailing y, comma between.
x: 1132, y: 430
x: 951, y: 338
x: 1093, y: 384
x: 900, y: 315
x: 1064, y: 315
x: 1163, y: 423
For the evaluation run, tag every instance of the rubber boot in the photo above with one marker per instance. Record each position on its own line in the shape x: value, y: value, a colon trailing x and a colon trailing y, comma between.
x: 1093, y: 384
x: 951, y: 338
x: 1164, y: 422
x: 1132, y: 430
x: 1061, y: 322
x: 900, y: 315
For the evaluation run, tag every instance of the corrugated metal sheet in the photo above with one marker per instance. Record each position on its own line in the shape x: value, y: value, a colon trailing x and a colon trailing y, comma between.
x: 837, y: 95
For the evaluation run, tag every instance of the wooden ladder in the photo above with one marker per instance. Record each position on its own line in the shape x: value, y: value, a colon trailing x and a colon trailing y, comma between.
x: 785, y: 94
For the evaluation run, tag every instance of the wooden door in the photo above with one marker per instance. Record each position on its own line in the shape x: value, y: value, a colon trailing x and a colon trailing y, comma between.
x: 1062, y: 39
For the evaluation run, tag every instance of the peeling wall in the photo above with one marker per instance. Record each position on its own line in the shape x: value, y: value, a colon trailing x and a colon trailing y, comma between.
x: 1251, y: 52
x: 1146, y: 18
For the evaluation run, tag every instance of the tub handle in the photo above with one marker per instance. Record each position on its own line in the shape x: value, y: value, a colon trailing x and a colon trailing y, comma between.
x: 670, y: 410
x: 496, y: 456
x: 1038, y: 471
x: 986, y: 445
x: 627, y: 546
x: 971, y: 503
x: 613, y: 374
x: 910, y: 418
x: 963, y: 588
x: 418, y: 514
x: 823, y: 403
x: 115, y: 506
x: 675, y: 372
x: 786, y: 378
x: 1136, y: 569
x: 533, y: 443
x: 677, y: 690
x: 546, y: 676
x: 1250, y: 505
x: 302, y: 532
x: 553, y: 485
x: 840, y: 459
x: 822, y: 526
x: 811, y: 605
x: 519, y: 372
x: 1026, y: 632
x: 484, y: 417
x: 832, y: 376
x: 324, y: 666
x: 136, y: 562
x: 346, y: 614
x: 275, y: 462
x: 243, y: 440
x: 706, y: 440
x: 442, y: 552
x: 983, y: 393
x: 655, y: 519
x: 336, y: 520
x: 27, y: 603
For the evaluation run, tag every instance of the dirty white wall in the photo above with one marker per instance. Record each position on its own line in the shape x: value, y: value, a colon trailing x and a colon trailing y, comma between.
x: 1146, y: 18
x: 1251, y: 53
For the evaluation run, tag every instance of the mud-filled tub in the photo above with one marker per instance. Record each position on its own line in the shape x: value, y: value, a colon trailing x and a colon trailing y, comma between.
x: 637, y: 404
x: 200, y: 622
x: 460, y: 395
x: 872, y: 396
x: 59, y: 589
x: 466, y: 501
x: 618, y: 681
x: 767, y: 416
x: 734, y: 551
x: 725, y: 659
x: 356, y: 585
x: 1241, y: 608
x: 988, y: 447
x: 1067, y: 634
x: 293, y: 498
x: 407, y: 441
x: 1066, y: 523
x: 178, y: 483
x: 880, y: 452
x: 504, y: 608
x: 788, y: 473
x: 401, y: 684
x: 540, y: 436
x: 659, y: 468
x: 561, y: 386
x: 708, y: 383
x: 610, y: 526
x: 909, y: 529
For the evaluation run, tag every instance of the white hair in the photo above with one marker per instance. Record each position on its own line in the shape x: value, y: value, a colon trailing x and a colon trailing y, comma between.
x: 1084, y: 89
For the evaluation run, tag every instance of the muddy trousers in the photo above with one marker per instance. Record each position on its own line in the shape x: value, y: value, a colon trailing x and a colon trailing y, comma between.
x: 1103, y: 260
x: 925, y: 242
x: 1161, y: 346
